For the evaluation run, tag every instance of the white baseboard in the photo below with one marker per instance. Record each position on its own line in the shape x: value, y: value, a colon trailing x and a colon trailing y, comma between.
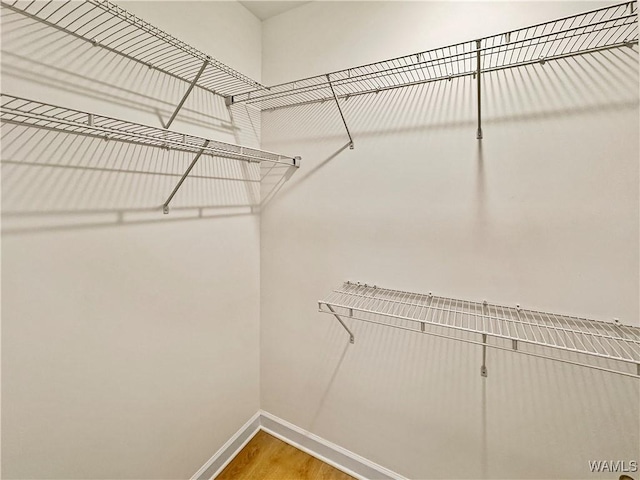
x: 330, y: 453
x: 229, y: 450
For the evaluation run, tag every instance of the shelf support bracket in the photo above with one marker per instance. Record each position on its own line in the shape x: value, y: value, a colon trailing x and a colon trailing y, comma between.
x: 351, y: 337
x: 483, y: 368
x: 341, y: 114
x: 165, y: 206
x: 479, y: 84
x: 187, y: 93
x: 422, y: 324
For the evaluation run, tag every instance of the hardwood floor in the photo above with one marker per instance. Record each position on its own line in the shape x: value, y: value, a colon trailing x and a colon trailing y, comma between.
x: 268, y: 458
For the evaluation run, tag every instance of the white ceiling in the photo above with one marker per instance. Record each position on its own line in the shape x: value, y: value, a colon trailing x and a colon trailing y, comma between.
x: 266, y: 8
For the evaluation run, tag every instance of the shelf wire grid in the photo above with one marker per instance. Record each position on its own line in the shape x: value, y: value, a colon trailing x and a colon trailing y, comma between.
x: 589, y: 32
x: 21, y: 111
x: 508, y: 327
x: 104, y: 24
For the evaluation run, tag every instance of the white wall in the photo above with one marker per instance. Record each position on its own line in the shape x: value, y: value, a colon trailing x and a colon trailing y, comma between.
x: 129, y: 338
x: 543, y: 212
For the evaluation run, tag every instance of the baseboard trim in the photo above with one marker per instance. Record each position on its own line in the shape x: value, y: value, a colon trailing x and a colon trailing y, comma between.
x: 324, y: 450
x: 229, y: 450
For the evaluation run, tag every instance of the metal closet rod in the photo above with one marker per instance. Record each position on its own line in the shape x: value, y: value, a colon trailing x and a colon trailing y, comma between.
x: 509, y: 328
x: 31, y: 113
x: 589, y: 32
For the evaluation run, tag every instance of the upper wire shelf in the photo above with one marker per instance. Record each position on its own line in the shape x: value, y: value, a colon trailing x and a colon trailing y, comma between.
x: 589, y: 32
x: 21, y: 111
x: 104, y: 24
x: 614, y: 347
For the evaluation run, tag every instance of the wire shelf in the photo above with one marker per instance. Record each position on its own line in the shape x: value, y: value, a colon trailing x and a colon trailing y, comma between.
x: 106, y: 25
x: 21, y: 111
x: 563, y: 338
x: 589, y: 32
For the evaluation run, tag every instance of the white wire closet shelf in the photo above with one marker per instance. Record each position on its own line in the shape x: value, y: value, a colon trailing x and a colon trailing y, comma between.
x: 22, y: 111
x: 596, y: 30
x: 608, y: 346
x: 31, y: 113
x: 106, y: 25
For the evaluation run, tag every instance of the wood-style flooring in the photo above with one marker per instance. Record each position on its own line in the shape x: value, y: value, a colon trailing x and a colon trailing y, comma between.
x: 268, y: 458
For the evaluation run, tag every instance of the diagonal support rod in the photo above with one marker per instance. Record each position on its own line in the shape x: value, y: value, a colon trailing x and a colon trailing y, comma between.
x: 483, y: 368
x: 478, y: 74
x: 187, y: 93
x: 165, y: 207
x: 351, y: 337
x: 341, y: 114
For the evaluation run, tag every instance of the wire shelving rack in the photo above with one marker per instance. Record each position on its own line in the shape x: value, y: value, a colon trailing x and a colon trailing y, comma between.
x: 104, y: 24
x: 608, y: 346
x: 22, y: 111
x: 596, y: 30
x: 31, y: 113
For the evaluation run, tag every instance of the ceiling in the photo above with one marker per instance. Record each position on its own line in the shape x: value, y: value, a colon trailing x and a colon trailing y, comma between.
x: 266, y: 8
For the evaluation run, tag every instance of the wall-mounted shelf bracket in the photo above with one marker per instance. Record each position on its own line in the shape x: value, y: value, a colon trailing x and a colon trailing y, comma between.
x: 333, y: 312
x: 483, y: 368
x: 165, y: 207
x: 193, y: 83
x: 340, y: 110
x: 479, y: 84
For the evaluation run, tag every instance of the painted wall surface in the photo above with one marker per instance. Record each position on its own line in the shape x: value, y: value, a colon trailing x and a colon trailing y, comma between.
x: 543, y: 212
x: 129, y: 338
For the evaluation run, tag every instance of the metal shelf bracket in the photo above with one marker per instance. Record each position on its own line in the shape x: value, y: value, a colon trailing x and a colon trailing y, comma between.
x: 165, y: 206
x: 333, y: 312
x: 483, y: 368
x: 340, y: 110
x: 188, y: 92
x: 479, y: 84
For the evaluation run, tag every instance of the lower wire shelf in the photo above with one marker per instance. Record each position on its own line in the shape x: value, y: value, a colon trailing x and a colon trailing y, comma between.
x: 608, y: 346
x: 34, y: 114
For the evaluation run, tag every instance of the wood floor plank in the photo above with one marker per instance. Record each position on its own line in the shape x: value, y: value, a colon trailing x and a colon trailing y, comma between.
x: 268, y: 458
